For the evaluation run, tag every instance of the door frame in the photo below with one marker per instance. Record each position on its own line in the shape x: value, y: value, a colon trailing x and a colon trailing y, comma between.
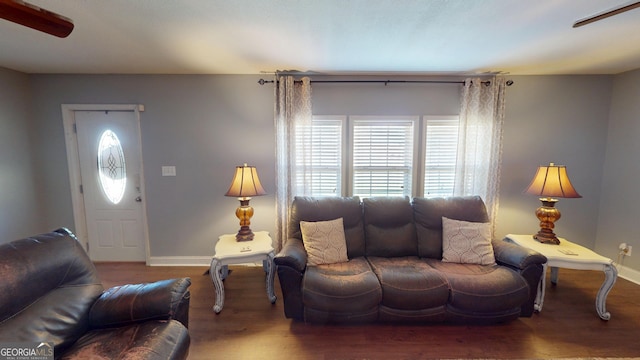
x: 73, y: 161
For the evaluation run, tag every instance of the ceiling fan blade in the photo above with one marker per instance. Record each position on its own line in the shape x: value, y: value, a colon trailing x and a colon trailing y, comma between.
x: 35, y: 17
x: 606, y: 14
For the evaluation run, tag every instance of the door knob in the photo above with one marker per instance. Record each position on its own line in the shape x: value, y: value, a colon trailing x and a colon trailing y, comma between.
x: 138, y: 199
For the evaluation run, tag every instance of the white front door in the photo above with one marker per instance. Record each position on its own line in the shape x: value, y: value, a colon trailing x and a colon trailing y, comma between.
x: 108, y: 145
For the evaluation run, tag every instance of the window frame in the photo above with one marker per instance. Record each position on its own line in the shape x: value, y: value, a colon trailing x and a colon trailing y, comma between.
x: 418, y: 167
x: 343, y: 144
x: 352, y: 120
x: 423, y: 147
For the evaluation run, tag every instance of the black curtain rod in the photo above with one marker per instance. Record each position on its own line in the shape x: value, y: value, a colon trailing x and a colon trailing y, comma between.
x: 385, y: 82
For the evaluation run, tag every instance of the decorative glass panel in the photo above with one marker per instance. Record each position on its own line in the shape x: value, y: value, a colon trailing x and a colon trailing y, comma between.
x: 111, y: 166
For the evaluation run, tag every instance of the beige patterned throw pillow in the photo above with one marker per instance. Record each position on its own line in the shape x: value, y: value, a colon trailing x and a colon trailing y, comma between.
x: 466, y: 242
x: 324, y: 241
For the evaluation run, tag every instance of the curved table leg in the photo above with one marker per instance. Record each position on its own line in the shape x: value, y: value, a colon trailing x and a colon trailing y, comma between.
x: 215, y: 272
x: 270, y: 278
x: 537, y: 305
x: 611, y: 274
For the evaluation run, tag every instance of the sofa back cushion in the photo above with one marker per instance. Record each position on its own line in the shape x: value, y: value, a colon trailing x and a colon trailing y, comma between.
x: 428, y: 215
x: 389, y: 227
x: 331, y: 208
x: 47, y: 289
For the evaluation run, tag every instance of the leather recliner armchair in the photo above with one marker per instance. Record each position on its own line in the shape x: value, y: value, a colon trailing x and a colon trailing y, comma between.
x: 50, y: 292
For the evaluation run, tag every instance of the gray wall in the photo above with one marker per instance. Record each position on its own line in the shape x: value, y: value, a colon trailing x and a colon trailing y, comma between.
x: 560, y: 119
x: 380, y: 99
x: 203, y: 125
x: 620, y: 202
x: 206, y: 125
x: 19, y: 191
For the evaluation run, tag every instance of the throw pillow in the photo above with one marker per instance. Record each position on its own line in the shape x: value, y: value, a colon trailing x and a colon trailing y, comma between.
x: 466, y: 242
x: 324, y: 241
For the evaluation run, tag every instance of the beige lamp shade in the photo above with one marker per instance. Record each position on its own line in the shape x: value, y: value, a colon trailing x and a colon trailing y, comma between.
x: 552, y: 181
x: 245, y: 183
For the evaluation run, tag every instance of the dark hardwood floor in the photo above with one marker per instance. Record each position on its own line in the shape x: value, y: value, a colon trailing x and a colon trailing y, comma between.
x: 250, y: 327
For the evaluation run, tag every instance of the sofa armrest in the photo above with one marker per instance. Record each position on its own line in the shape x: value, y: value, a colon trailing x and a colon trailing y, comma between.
x: 291, y: 263
x: 528, y: 263
x: 292, y: 255
x: 128, y: 304
x: 515, y: 256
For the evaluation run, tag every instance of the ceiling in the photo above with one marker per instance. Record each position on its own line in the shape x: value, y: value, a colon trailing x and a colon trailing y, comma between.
x: 328, y: 37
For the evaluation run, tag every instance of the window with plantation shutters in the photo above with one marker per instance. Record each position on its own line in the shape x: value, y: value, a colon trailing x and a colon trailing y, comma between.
x: 441, y: 149
x: 382, y: 157
x: 319, y: 157
x: 377, y: 156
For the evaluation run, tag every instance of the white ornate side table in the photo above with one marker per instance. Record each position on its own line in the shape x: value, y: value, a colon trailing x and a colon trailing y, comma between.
x: 570, y: 256
x: 229, y: 251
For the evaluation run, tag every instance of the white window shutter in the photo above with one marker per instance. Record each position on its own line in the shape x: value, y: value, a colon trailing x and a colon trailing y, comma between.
x: 441, y: 146
x: 320, y: 163
x: 382, y: 153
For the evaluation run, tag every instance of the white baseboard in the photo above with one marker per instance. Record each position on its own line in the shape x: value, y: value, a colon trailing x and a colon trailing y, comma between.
x: 628, y: 274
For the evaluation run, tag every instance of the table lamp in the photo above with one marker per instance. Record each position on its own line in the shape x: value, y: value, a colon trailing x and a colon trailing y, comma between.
x: 550, y: 182
x: 244, y: 185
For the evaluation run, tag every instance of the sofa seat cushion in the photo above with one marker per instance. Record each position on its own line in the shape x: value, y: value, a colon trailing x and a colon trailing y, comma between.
x: 482, y: 288
x: 159, y: 339
x: 409, y: 283
x: 349, y: 287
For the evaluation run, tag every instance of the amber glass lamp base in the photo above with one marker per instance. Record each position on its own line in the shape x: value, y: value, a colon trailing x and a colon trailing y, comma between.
x: 548, y: 214
x: 244, y: 213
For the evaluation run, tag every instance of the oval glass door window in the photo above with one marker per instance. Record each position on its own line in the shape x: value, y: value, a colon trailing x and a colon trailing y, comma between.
x: 111, y: 167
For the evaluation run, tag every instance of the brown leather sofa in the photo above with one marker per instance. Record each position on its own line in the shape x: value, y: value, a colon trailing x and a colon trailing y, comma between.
x: 395, y: 271
x: 50, y: 292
